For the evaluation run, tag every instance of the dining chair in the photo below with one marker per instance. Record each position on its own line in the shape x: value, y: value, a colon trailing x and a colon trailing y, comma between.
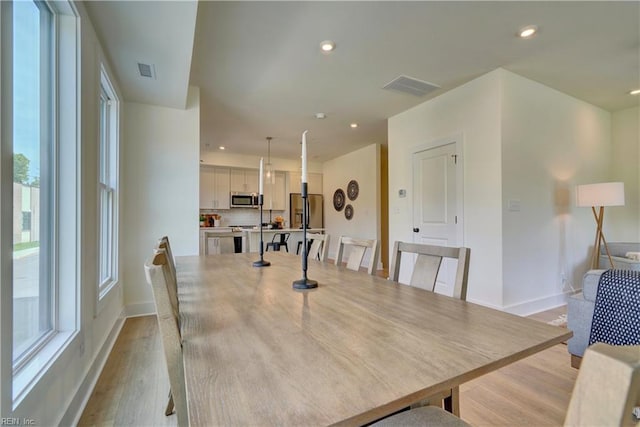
x: 427, y: 266
x: 278, y: 241
x: 358, y: 247
x: 171, y: 281
x: 425, y: 272
x: 319, y: 248
x: 163, y: 243
x: 168, y: 324
x: 604, y: 394
x: 607, y: 388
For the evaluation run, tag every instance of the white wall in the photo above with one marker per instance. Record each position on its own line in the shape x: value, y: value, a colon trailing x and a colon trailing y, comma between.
x: 550, y: 143
x: 160, y: 163
x: 363, y: 165
x: 59, y: 394
x: 472, y: 110
x: 622, y: 224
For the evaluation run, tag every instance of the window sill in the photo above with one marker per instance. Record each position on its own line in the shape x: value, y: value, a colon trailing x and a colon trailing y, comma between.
x: 28, y: 376
x: 104, y: 293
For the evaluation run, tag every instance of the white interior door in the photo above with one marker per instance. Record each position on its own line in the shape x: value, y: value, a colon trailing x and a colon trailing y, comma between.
x: 435, y: 213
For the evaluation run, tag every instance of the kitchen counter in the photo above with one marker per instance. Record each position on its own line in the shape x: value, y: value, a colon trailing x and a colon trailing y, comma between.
x: 253, y: 237
x: 284, y: 230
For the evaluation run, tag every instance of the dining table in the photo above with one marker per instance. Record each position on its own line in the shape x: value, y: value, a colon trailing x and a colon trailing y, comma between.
x: 356, y: 348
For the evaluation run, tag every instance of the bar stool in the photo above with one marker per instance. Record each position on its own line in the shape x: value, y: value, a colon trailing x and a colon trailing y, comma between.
x: 279, y: 240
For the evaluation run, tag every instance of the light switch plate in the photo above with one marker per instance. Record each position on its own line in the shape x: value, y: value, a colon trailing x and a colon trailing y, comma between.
x: 513, y: 205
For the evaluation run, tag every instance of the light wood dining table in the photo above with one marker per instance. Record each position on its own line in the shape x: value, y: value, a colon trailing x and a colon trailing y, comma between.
x: 359, y: 347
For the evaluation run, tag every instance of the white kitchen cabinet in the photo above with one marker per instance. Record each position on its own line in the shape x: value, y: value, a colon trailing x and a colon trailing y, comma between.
x: 275, y: 194
x: 214, y: 187
x: 314, y: 184
x: 244, y: 180
x: 217, y: 245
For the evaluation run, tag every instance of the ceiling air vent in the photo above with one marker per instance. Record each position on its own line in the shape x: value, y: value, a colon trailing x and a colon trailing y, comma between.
x: 146, y: 70
x: 411, y: 86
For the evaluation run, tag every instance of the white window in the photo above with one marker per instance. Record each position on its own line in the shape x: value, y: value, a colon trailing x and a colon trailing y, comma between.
x: 39, y: 256
x: 108, y: 187
x: 33, y: 178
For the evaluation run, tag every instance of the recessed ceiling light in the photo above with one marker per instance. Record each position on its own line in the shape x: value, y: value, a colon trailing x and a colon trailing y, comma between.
x: 327, y: 46
x: 528, y: 31
x: 221, y: 147
x: 635, y: 92
x: 321, y: 116
x: 354, y: 125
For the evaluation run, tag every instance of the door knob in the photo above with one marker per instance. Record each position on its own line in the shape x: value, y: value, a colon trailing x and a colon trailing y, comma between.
x: 416, y: 230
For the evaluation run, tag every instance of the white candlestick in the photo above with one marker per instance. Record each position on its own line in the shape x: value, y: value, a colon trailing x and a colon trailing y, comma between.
x: 261, y: 189
x: 304, y: 156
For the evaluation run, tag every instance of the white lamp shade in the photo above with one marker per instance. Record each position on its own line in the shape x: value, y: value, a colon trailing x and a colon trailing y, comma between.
x: 603, y: 194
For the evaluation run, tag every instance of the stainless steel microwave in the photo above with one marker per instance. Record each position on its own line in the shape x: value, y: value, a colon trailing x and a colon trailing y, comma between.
x: 244, y: 200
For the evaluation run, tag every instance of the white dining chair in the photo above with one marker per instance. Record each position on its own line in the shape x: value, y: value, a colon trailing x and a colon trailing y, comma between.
x: 425, y: 272
x: 357, y: 249
x: 168, y: 324
x: 319, y: 246
x: 605, y: 393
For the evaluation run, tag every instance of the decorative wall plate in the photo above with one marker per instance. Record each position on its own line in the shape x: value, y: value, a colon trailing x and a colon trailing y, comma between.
x: 348, y: 211
x: 353, y: 189
x: 338, y: 199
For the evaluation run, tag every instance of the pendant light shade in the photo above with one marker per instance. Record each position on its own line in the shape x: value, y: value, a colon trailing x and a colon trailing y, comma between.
x: 269, y: 173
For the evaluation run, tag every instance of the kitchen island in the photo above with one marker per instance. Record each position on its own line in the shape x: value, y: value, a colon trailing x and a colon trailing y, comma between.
x: 253, y: 237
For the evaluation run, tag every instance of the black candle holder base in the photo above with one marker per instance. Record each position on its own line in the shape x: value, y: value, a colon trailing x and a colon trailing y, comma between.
x: 261, y: 263
x: 305, y: 283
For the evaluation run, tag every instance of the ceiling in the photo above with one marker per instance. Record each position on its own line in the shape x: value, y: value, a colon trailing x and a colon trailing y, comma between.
x: 261, y: 73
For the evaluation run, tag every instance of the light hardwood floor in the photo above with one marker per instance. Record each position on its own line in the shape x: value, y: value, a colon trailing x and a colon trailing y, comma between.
x: 132, y: 389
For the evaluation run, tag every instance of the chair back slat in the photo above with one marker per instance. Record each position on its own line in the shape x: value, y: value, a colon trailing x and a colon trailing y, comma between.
x: 319, y: 248
x: 170, y: 332
x: 428, y: 262
x: 425, y: 270
x: 358, y: 248
x: 607, y: 387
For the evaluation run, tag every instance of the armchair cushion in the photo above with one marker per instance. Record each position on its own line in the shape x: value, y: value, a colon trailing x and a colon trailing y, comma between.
x: 616, y: 317
x: 618, y: 251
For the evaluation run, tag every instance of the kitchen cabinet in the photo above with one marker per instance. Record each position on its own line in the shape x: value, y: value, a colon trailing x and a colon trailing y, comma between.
x: 314, y: 184
x: 214, y: 187
x: 275, y: 197
x: 218, y: 245
x: 244, y: 180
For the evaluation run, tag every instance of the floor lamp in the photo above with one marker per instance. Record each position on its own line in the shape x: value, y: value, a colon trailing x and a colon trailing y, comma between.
x: 597, y: 196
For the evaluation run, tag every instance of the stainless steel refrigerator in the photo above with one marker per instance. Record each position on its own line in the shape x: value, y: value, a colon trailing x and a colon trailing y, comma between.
x: 315, y: 219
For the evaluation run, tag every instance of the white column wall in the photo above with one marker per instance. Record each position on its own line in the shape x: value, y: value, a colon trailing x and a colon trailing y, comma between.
x: 160, y: 163
x: 550, y: 143
x: 622, y: 224
x: 472, y: 110
x: 363, y: 165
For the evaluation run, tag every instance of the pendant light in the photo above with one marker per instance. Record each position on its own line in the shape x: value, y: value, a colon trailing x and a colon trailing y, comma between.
x: 269, y: 172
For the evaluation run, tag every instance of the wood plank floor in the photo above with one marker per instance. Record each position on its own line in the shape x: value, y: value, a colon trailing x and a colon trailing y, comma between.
x: 132, y: 389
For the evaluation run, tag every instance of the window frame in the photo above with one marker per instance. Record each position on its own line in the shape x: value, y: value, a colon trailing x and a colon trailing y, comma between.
x: 108, y: 185
x: 47, y: 282
x: 17, y: 380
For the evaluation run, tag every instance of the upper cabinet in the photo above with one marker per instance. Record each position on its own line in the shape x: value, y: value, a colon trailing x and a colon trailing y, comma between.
x: 244, y: 180
x: 275, y: 194
x: 214, y: 187
x: 314, y: 183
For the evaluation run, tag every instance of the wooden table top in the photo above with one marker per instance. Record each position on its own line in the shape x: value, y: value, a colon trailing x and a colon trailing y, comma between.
x: 357, y: 348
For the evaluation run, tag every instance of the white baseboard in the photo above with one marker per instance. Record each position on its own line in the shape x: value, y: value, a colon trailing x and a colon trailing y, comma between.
x: 79, y: 402
x: 140, y: 309
x: 528, y: 308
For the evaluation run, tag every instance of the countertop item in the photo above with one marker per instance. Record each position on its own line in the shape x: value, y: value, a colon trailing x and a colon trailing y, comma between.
x: 353, y: 350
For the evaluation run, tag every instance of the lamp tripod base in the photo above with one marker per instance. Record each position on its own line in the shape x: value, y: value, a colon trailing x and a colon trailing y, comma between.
x: 261, y: 263
x: 305, y: 283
